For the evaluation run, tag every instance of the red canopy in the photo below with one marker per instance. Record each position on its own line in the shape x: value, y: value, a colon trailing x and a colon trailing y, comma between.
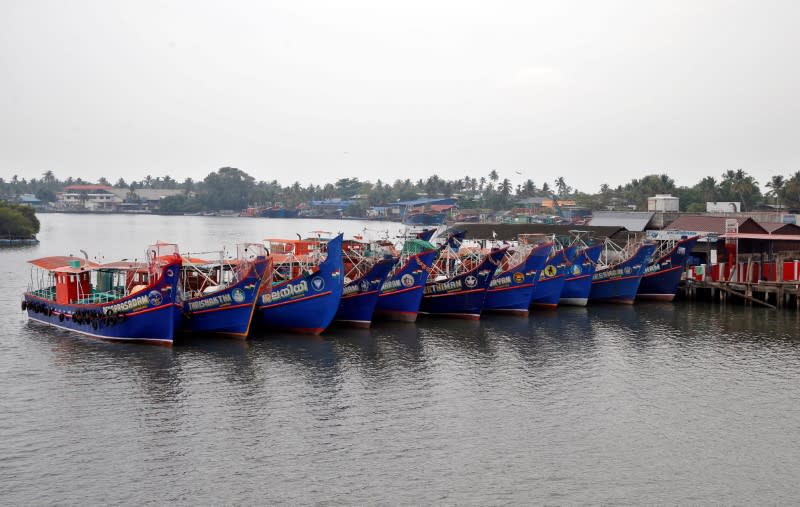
x: 62, y: 263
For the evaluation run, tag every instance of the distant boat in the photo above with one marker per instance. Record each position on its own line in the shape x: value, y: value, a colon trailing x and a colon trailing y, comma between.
x: 619, y: 282
x: 119, y: 301
x: 663, y: 276
x: 307, y: 287
x: 415, y: 217
x: 221, y: 296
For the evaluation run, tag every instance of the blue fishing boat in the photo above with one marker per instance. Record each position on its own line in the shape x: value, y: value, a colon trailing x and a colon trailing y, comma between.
x: 663, y: 275
x: 366, y: 269
x: 419, y: 217
x: 550, y: 282
x: 120, y: 301
x: 220, y: 296
x: 401, y: 292
x: 618, y: 283
x: 511, y: 289
x: 461, y: 294
x: 307, y: 285
x: 582, y: 266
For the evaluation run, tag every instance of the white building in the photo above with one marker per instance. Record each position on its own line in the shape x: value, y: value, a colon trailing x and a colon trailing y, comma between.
x: 88, y: 197
x: 663, y: 202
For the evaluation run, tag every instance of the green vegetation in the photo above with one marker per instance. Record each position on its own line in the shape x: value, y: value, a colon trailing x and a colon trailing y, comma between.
x: 17, y: 221
x: 233, y: 189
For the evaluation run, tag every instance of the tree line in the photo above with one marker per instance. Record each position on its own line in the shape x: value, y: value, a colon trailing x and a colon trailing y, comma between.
x: 233, y: 189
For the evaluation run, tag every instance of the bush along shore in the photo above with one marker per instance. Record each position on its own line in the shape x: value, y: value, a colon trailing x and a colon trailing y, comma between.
x: 18, y: 224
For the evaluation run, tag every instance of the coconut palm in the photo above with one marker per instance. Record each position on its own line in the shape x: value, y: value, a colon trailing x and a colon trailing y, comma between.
x: 776, y: 186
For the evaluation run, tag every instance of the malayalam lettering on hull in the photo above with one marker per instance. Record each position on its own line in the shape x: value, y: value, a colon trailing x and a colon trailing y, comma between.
x: 286, y: 292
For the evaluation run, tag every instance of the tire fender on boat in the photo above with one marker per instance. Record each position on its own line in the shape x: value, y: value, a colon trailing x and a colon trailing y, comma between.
x: 24, y: 306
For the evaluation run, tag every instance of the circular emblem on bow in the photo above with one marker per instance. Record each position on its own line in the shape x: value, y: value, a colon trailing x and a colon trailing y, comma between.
x: 155, y: 298
x: 237, y: 295
x: 519, y: 277
x: 471, y: 281
x: 407, y: 280
x: 317, y: 283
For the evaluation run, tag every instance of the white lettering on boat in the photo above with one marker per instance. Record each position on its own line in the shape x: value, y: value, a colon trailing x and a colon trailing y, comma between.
x: 285, y: 292
x: 211, y: 302
x: 131, y: 304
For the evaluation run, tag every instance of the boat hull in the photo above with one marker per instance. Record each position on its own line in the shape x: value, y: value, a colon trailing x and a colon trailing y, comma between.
x: 150, y: 316
x: 578, y: 284
x: 663, y: 276
x: 305, y: 304
x: 619, y: 283
x: 401, y: 293
x: 511, y: 291
x: 229, y: 311
x: 360, y: 297
x: 550, y: 282
x: 461, y: 296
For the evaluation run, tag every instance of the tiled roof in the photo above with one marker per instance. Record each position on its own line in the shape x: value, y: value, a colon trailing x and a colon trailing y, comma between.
x: 707, y: 223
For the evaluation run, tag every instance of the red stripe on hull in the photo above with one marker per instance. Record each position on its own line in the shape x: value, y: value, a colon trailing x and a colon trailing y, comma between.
x: 546, y: 306
x: 148, y: 341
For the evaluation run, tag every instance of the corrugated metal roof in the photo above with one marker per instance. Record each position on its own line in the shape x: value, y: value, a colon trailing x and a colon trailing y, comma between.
x: 631, y: 220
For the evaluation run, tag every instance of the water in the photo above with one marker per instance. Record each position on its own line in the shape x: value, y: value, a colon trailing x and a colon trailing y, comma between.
x: 655, y: 403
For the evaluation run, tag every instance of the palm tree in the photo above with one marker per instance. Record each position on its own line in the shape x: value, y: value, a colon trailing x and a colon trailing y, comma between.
x: 493, y: 175
x: 776, y: 186
x: 563, y: 188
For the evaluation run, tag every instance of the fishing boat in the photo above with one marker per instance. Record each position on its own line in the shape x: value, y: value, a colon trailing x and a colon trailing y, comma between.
x: 421, y: 217
x: 663, y: 275
x: 119, y: 301
x: 401, y: 292
x: 617, y: 281
x: 307, y: 285
x: 511, y: 288
x: 581, y: 269
x: 550, y: 282
x: 459, y: 279
x: 366, y: 267
x: 220, y: 296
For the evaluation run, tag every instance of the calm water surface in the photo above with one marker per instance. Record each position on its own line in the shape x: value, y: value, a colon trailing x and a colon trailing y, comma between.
x: 655, y: 403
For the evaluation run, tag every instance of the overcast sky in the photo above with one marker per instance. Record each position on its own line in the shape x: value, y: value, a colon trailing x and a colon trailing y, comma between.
x: 312, y: 91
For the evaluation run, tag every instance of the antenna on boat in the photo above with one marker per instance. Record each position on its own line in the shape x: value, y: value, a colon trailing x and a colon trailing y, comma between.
x: 85, y: 255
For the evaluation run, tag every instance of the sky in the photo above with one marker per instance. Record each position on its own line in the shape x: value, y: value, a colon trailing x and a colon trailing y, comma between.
x: 313, y: 91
